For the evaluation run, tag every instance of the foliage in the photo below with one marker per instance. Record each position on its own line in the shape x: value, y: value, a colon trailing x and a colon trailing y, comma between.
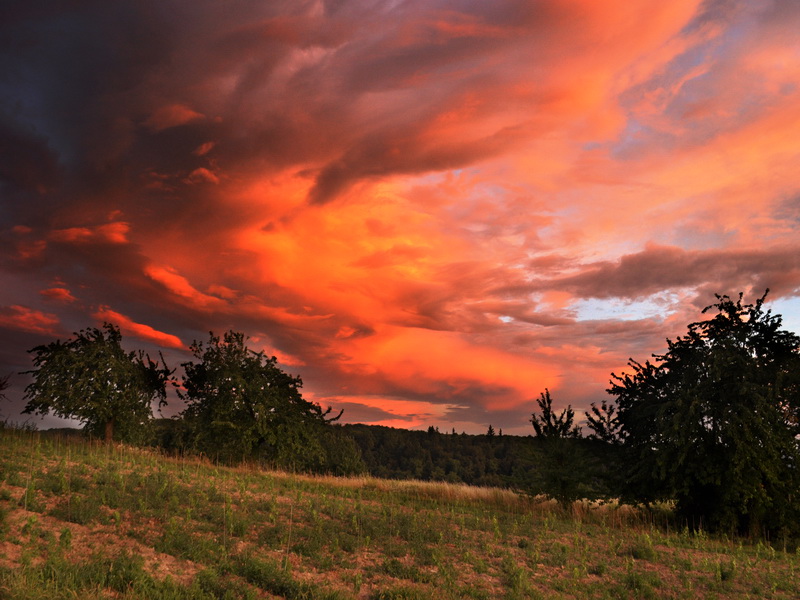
x: 713, y: 422
x: 241, y: 405
x: 563, y: 472
x: 92, y: 379
x: 342, y: 454
x: 604, y: 423
x: 459, y: 458
x: 3, y: 388
x: 548, y: 425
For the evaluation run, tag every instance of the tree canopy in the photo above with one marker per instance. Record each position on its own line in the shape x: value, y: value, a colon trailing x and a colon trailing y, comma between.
x: 242, y: 405
x: 92, y: 379
x: 713, y: 422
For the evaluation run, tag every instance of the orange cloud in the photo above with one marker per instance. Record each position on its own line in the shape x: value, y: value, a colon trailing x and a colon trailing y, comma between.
x: 269, y: 350
x: 445, y: 365
x: 23, y: 318
x: 112, y: 233
x: 138, y: 330
x: 180, y: 287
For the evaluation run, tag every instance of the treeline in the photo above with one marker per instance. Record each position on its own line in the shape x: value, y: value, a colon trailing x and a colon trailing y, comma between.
x: 518, y: 462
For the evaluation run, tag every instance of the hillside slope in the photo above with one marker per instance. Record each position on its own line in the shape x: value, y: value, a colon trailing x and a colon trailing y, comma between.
x: 94, y: 521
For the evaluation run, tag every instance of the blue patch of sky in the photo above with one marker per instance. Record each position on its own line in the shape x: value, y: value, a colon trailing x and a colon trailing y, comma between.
x: 598, y: 309
x: 789, y: 309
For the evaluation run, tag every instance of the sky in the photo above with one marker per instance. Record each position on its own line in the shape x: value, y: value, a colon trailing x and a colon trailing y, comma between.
x: 430, y: 210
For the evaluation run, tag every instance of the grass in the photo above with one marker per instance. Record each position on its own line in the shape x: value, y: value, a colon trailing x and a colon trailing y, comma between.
x: 95, y: 521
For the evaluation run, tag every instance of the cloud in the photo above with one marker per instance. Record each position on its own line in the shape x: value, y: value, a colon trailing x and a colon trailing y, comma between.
x: 201, y: 175
x: 658, y: 268
x: 138, y: 330
x: 432, y: 209
x: 111, y: 233
x: 58, y: 294
x: 23, y: 318
x: 169, y: 116
x: 181, y: 289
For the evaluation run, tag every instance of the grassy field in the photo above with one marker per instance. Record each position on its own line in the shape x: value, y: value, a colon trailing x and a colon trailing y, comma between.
x: 90, y: 521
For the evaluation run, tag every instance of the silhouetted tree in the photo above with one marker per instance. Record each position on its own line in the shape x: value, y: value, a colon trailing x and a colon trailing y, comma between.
x: 549, y: 425
x: 561, y: 473
x: 242, y: 405
x: 3, y: 388
x: 92, y: 379
x: 490, y: 431
x: 604, y: 423
x: 713, y: 422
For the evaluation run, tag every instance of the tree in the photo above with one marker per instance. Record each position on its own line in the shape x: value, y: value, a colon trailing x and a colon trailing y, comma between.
x: 713, y: 422
x: 561, y: 472
x: 550, y: 425
x: 92, y: 379
x: 604, y: 423
x: 3, y: 388
x: 242, y: 405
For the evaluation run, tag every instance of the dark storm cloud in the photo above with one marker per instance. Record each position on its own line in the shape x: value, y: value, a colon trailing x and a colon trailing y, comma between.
x: 659, y: 268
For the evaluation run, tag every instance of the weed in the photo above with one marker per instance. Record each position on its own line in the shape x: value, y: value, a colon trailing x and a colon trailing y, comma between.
x: 642, y: 583
x: 558, y: 555
x: 65, y: 538
x: 77, y: 509
x: 177, y: 542
x: 641, y: 549
x: 4, y: 526
x: 268, y: 576
x: 598, y: 569
x: 476, y: 593
x: 400, y: 593
x: 725, y: 571
x: 394, y: 568
x: 213, y: 584
x: 30, y: 499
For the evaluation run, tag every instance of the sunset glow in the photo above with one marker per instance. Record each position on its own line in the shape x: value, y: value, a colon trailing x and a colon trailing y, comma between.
x: 429, y: 210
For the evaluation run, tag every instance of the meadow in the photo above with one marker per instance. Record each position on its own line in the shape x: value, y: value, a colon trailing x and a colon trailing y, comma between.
x: 88, y: 520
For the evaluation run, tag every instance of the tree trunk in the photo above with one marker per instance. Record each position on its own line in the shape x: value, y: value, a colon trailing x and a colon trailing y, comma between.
x: 109, y: 430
